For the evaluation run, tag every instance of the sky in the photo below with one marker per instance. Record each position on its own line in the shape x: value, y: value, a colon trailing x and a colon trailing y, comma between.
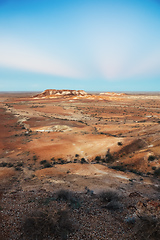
x: 94, y: 45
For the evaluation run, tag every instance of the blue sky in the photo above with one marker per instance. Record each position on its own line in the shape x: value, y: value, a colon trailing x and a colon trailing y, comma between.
x: 96, y: 45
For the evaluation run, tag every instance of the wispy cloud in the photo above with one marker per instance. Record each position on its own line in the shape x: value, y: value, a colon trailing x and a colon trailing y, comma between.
x: 20, y: 56
x: 148, y: 66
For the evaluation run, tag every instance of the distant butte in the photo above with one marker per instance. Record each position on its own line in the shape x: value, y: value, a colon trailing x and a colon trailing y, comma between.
x: 54, y: 92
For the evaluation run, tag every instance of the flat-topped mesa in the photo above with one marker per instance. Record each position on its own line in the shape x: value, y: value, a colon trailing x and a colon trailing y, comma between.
x: 54, y: 92
x: 112, y: 94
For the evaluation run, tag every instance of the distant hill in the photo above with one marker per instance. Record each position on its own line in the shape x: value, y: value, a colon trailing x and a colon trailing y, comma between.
x: 112, y: 94
x: 54, y: 92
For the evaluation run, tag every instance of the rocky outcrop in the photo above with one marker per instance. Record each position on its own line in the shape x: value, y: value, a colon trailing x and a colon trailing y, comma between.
x: 54, y: 92
x: 112, y: 94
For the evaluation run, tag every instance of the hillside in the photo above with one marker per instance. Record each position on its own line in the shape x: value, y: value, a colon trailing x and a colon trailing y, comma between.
x: 93, y: 160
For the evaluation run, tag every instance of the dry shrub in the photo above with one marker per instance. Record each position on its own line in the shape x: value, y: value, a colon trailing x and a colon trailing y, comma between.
x: 157, y: 172
x: 148, y: 228
x: 40, y: 225
x: 64, y: 224
x: 70, y: 197
x: 111, y: 199
x: 65, y: 195
x: 108, y: 196
x: 114, y: 206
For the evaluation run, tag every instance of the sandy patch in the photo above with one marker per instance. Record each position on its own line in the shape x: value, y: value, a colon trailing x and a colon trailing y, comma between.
x: 6, y: 173
x: 49, y: 172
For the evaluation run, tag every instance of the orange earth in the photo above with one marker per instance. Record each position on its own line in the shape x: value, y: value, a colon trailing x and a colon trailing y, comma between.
x: 76, y: 140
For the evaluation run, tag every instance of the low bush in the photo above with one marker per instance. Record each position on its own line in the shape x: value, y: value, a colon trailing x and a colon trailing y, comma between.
x: 119, y: 168
x: 18, y: 169
x: 61, y: 161
x: 64, y: 224
x: 111, y: 200
x: 64, y: 195
x: 148, y: 228
x: 108, y: 196
x: 41, y: 225
x: 3, y: 164
x: 35, y: 157
x: 109, y: 158
x: 10, y: 165
x: 19, y: 164
x: 135, y: 172
x: 83, y: 160
x: 68, y: 196
x: 157, y: 172
x: 38, y: 225
x: 98, y: 159
x: 113, y: 205
x: 47, y: 165
x: 43, y: 161
x: 151, y: 158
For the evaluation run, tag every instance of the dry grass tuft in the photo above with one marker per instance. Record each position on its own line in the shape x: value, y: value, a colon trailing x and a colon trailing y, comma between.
x: 148, y: 228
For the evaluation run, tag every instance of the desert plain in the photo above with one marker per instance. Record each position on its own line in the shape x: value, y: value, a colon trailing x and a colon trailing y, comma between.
x: 75, y: 165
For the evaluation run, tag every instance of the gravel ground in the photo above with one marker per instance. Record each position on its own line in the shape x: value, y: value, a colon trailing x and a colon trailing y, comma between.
x: 88, y: 217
